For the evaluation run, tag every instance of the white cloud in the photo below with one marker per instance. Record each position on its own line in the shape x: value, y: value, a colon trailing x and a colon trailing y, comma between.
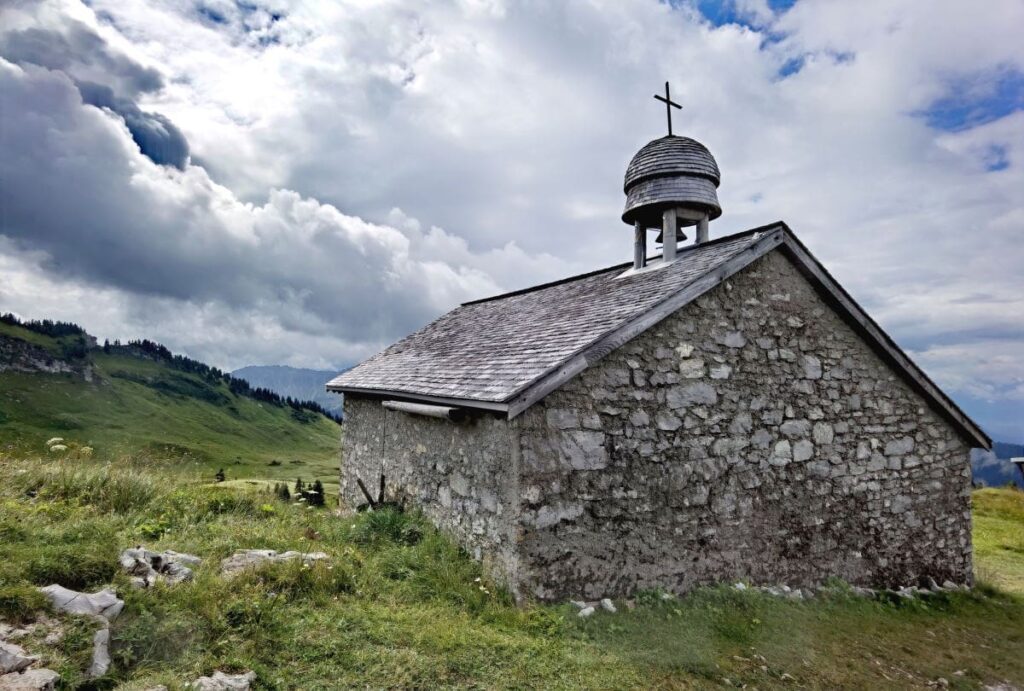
x: 509, y: 126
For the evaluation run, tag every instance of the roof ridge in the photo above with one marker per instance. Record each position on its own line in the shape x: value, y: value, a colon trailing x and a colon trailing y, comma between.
x: 679, y: 253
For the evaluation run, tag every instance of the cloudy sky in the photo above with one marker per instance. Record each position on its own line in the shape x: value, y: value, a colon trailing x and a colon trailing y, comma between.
x: 268, y: 182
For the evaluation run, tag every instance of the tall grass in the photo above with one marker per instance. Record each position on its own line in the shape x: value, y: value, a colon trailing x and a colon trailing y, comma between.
x: 398, y: 605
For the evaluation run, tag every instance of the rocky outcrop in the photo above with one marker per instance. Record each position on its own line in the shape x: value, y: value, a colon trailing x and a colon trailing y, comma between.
x: 219, y: 681
x: 17, y: 355
x: 148, y: 568
x: 30, y: 680
x: 13, y: 658
x: 103, y: 603
x: 252, y: 558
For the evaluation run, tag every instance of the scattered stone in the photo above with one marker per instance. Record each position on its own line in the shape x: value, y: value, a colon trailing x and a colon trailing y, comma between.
x: 578, y: 604
x: 13, y: 658
x: 585, y: 612
x: 30, y: 680
x: 251, y: 558
x: 219, y: 681
x: 100, y: 654
x: 103, y: 603
x: 148, y: 568
x: 740, y: 586
x: 608, y: 606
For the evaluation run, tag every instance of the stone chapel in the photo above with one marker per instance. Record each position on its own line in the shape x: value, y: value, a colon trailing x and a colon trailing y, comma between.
x: 721, y: 411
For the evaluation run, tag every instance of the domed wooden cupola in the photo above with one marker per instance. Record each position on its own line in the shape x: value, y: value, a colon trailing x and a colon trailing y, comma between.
x: 670, y: 184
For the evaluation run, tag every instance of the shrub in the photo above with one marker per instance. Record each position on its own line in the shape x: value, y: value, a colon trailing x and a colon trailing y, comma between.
x: 390, y: 525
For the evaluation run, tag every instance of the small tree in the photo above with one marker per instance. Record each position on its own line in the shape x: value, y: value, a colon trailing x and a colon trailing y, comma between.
x: 283, y: 494
x: 300, y: 487
x: 220, y: 476
x: 316, y: 495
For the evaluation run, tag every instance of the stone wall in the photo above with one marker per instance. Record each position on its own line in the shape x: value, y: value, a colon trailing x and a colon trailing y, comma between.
x: 752, y: 435
x: 462, y: 475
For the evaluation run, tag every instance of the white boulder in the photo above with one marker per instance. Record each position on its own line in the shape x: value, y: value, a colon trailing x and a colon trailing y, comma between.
x: 29, y: 680
x: 252, y: 558
x: 13, y: 658
x: 219, y: 681
x: 103, y: 603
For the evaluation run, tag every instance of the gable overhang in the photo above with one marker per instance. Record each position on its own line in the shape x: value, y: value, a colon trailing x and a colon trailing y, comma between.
x: 469, y: 403
x: 764, y: 240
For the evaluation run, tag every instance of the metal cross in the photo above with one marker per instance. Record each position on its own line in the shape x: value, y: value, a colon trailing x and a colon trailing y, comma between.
x: 669, y: 105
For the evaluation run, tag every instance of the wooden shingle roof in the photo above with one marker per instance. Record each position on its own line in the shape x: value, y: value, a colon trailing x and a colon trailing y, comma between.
x: 506, y: 352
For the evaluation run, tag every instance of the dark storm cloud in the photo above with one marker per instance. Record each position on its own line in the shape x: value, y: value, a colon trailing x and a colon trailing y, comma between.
x: 72, y: 187
x: 105, y: 79
x: 156, y: 136
x: 78, y: 50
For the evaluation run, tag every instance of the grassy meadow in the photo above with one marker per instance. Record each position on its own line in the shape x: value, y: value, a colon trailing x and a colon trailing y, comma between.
x: 145, y: 409
x: 398, y: 606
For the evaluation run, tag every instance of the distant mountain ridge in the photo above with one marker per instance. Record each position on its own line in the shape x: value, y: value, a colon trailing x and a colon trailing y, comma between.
x: 141, y: 400
x: 297, y: 382
x: 993, y: 468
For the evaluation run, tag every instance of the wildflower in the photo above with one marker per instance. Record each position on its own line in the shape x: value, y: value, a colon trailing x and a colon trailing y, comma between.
x: 55, y: 440
x: 58, y: 448
x: 85, y: 451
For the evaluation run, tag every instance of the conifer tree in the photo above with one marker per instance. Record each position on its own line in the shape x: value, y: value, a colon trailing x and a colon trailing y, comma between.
x: 316, y: 496
x: 300, y: 488
x: 220, y: 476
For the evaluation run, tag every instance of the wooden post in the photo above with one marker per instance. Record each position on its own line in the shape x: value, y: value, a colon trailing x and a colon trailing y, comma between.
x: 668, y: 235
x: 639, y: 245
x: 702, y: 230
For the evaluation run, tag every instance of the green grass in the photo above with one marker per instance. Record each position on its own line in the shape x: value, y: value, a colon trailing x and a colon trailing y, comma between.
x: 399, y: 606
x: 999, y: 537
x: 138, y: 407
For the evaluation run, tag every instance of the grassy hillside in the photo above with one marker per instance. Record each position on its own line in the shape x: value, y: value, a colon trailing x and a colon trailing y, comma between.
x: 398, y: 606
x: 999, y: 538
x: 144, y: 407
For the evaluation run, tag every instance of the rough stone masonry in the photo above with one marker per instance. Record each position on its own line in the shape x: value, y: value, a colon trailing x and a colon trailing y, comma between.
x: 750, y: 435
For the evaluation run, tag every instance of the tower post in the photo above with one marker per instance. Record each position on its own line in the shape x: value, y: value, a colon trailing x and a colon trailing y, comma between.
x: 668, y: 235
x: 639, y: 245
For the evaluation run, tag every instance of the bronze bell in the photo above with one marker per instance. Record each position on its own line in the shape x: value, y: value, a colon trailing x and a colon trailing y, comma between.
x: 680, y: 235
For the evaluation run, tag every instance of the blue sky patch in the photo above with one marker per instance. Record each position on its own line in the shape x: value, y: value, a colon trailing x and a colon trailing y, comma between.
x: 976, y: 100
x: 996, y: 158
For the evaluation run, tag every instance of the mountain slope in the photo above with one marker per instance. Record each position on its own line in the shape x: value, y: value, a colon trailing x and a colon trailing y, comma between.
x: 123, y: 400
x: 993, y: 468
x: 300, y: 383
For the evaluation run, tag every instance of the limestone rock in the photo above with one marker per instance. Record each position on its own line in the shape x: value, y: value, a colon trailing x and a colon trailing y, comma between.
x: 13, y: 658
x: 219, y: 681
x: 667, y: 421
x: 30, y: 680
x: 100, y: 654
x: 803, y: 450
x: 721, y: 371
x: 148, y: 568
x: 608, y: 606
x: 585, y: 612
x: 252, y: 558
x: 103, y: 603
x: 898, y: 447
x: 823, y: 433
x: 812, y: 367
